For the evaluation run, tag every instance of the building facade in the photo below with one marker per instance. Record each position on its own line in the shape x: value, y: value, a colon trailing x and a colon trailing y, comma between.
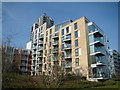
x: 114, y: 63
x: 19, y: 58
x: 76, y: 46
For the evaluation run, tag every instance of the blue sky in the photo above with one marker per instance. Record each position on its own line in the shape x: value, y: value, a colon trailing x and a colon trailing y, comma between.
x: 18, y: 18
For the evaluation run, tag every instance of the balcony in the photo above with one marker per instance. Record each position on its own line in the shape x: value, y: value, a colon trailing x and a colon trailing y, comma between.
x: 55, y: 51
x: 98, y: 42
x: 55, y: 43
x: 34, y: 42
x: 34, y: 47
x: 68, y: 57
x: 67, y: 47
x: 55, y: 58
x: 55, y: 37
x: 34, y: 58
x: 23, y: 69
x: 40, y: 62
x: 69, y: 65
x: 67, y: 39
x: 40, y: 55
x: 98, y: 52
x: 40, y: 48
x: 23, y: 64
x: 40, y: 42
x: 41, y: 36
x: 33, y: 53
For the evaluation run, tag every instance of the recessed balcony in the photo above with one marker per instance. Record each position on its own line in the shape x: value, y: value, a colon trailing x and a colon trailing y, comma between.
x: 67, y: 39
x: 40, y: 43
x: 55, y: 51
x: 34, y: 47
x: 67, y: 47
x: 40, y: 48
x: 68, y: 65
x: 40, y: 55
x: 55, y: 37
x: 34, y: 42
x: 33, y: 53
x: 68, y: 57
x: 41, y: 36
x: 55, y: 43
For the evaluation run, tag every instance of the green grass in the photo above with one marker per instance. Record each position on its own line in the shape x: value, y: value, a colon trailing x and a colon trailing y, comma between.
x: 111, y: 86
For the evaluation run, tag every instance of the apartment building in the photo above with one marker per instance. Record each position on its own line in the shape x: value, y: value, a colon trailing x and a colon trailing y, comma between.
x: 76, y: 46
x: 114, y: 63
x: 21, y: 59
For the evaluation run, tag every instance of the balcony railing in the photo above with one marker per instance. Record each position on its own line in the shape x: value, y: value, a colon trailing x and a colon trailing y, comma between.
x: 55, y: 58
x: 68, y: 56
x: 98, y: 51
x: 41, y: 36
x: 67, y: 47
x: 55, y: 51
x: 55, y: 36
x: 69, y: 65
x: 34, y: 47
x: 23, y: 64
x: 55, y: 43
x: 67, y: 38
x: 95, y: 30
x: 34, y: 42
x: 33, y: 53
x: 40, y: 48
x: 40, y: 55
x: 40, y: 42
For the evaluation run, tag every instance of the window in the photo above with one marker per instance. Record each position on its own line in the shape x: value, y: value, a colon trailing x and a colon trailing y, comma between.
x: 50, y: 37
x: 62, y: 46
x: 46, y: 33
x: 44, y: 59
x: 44, y: 46
x: 76, y: 43
x: 62, y: 31
x: 50, y: 31
x: 50, y: 44
x: 75, y: 26
x: 76, y: 34
x: 46, y: 39
x: 62, y: 39
x: 67, y: 29
x: 50, y: 51
x: 45, y: 67
x: 77, y: 61
x: 78, y: 52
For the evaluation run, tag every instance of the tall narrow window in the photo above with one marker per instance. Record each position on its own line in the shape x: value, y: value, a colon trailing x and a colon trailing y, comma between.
x: 76, y: 34
x: 50, y: 37
x: 77, y: 52
x: 77, y: 61
x: 75, y: 26
x: 67, y: 29
x: 62, y: 31
x: 50, y: 31
x: 46, y: 39
x: 76, y: 43
x: 46, y: 33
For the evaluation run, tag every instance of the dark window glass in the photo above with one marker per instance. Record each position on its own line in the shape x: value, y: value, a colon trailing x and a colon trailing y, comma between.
x: 67, y: 30
x: 50, y: 31
x: 75, y: 26
x: 76, y: 34
x: 76, y: 42
x: 62, y: 31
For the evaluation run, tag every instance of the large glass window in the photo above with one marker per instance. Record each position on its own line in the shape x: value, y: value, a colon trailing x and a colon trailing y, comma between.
x: 77, y: 61
x: 76, y: 43
x: 76, y: 34
x: 46, y: 39
x: 62, y: 46
x: 75, y: 26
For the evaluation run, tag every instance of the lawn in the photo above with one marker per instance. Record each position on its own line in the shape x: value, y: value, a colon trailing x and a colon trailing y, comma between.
x: 117, y: 85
